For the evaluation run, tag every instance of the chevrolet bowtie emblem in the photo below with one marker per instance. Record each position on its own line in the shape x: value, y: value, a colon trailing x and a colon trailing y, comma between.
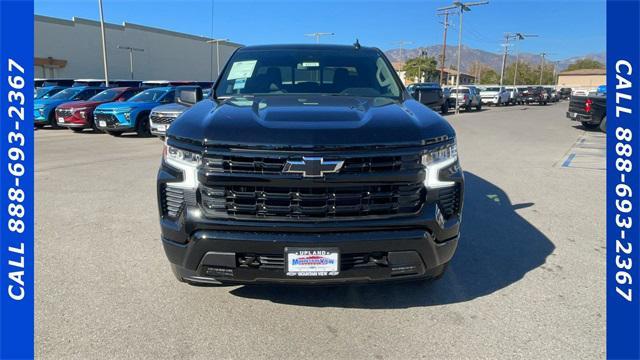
x: 312, y: 167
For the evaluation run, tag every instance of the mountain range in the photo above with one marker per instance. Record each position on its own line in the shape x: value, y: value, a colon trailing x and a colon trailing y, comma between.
x: 471, y: 56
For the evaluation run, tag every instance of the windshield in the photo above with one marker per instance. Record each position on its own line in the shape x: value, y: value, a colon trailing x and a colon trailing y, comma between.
x: 308, y: 71
x: 66, y: 94
x: 106, y: 95
x: 151, y: 95
x: 462, y: 91
x: 492, y: 89
x: 45, y: 93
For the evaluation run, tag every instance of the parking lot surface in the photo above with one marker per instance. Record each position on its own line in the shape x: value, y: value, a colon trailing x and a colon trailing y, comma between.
x: 528, y: 280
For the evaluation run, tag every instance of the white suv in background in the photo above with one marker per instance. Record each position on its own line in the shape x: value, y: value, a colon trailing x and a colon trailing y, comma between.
x: 494, y: 95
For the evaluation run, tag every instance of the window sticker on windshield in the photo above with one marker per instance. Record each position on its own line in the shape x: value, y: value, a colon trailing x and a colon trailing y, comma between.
x: 242, y: 69
x: 239, y: 84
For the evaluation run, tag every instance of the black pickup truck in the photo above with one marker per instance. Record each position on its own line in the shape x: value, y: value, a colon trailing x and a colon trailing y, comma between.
x: 590, y: 110
x: 535, y: 94
x: 431, y: 95
x: 309, y: 164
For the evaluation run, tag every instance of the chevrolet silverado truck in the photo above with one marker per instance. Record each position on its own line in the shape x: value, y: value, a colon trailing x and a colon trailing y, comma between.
x: 589, y: 110
x: 162, y: 116
x: 116, y: 118
x: 44, y: 109
x: 309, y: 164
x: 78, y: 115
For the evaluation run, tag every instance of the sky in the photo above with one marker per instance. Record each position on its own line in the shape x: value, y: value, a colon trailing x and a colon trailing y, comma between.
x: 565, y: 28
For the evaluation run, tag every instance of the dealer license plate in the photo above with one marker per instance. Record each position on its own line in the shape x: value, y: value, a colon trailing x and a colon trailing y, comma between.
x: 162, y: 127
x: 102, y: 123
x: 61, y: 120
x: 312, y: 261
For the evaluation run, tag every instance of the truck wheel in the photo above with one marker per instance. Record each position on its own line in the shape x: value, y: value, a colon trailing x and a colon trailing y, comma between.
x: 444, y: 109
x: 142, y: 128
x: 479, y: 107
x: 603, y: 124
x: 589, y: 126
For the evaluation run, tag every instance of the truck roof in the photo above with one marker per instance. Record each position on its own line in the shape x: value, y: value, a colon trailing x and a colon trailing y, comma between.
x: 306, y: 47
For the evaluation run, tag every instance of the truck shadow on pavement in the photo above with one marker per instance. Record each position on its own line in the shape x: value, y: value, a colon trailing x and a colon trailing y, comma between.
x: 497, y: 248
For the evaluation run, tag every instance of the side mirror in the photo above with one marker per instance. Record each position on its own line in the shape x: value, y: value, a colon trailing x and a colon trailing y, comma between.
x: 188, y: 95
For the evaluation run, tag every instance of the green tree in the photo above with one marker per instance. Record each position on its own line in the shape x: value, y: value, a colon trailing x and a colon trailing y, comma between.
x: 423, y: 68
x: 489, y: 76
x: 529, y: 74
x: 585, y: 64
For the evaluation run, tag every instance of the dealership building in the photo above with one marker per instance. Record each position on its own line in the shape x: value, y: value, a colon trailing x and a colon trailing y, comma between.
x: 73, y: 49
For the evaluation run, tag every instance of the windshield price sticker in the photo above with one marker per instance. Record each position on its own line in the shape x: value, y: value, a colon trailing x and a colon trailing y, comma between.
x: 242, y: 69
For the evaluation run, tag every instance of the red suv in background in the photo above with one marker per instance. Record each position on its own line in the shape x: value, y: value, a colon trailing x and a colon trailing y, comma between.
x: 78, y: 115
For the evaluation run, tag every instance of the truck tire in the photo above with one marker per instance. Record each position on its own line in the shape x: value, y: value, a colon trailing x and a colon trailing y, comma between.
x: 445, y: 108
x: 479, y: 107
x: 603, y: 124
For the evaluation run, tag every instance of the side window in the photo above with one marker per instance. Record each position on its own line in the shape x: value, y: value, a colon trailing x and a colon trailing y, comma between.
x: 168, y: 97
x: 84, y: 95
x: 127, y: 94
x: 385, y: 79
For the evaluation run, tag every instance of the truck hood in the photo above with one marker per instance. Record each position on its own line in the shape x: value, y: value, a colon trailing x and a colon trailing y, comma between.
x: 310, y: 122
x: 173, y: 107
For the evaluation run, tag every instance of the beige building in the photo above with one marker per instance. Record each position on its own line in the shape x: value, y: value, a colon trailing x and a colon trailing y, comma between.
x: 72, y: 49
x: 465, y: 79
x: 582, y: 78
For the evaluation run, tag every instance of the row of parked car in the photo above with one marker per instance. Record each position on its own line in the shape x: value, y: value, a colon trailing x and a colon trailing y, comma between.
x: 470, y: 97
x: 144, y: 107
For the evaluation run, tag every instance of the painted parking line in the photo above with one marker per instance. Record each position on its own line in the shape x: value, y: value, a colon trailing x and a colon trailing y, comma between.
x: 588, y: 152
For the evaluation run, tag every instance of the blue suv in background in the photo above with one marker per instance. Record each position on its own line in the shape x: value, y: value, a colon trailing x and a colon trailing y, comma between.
x: 117, y: 118
x: 44, y: 109
x: 46, y: 92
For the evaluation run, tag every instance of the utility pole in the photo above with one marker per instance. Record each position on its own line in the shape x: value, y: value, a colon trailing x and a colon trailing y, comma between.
x: 462, y: 7
x: 317, y: 35
x: 217, y: 42
x: 542, y: 55
x: 445, y: 23
x: 518, y: 37
x: 131, y: 50
x: 507, y: 37
x: 104, y: 46
x: 402, y: 43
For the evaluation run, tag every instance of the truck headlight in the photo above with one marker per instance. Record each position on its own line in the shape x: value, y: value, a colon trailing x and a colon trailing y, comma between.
x: 436, y: 160
x: 127, y: 116
x: 184, y: 160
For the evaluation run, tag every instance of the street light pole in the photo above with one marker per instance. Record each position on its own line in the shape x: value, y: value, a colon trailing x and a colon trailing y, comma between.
x: 131, y: 50
x: 462, y: 7
x: 104, y: 46
x: 217, y: 42
x: 518, y: 37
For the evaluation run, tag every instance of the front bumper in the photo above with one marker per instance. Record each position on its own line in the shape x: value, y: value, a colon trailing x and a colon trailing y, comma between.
x: 213, y: 256
x: 113, y: 121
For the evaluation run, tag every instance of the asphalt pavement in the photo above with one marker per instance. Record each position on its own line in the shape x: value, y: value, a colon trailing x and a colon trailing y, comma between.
x: 528, y: 280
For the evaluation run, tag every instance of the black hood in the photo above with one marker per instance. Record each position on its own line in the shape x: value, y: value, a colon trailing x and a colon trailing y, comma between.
x: 314, y: 121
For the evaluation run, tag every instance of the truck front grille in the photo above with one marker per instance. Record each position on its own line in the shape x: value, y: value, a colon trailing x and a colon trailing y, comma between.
x: 300, y: 203
x: 233, y: 164
x: 172, y: 201
x: 162, y: 118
